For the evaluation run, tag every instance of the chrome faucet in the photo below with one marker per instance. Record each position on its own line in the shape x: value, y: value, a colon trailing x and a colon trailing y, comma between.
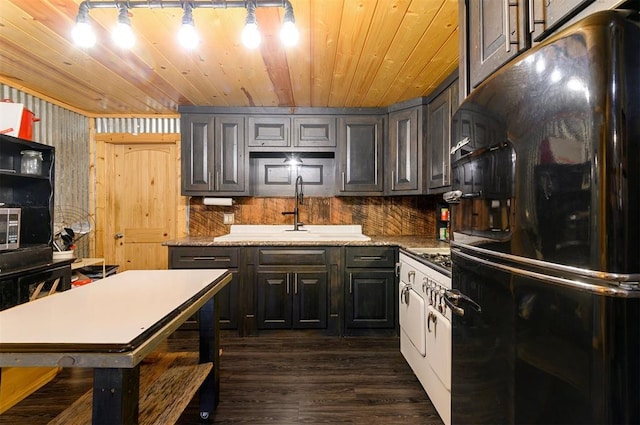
x: 299, y: 201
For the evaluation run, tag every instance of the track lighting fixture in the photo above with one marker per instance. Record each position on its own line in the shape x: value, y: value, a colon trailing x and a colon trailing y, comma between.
x: 187, y: 35
x: 250, y: 34
x: 83, y: 35
x: 122, y: 34
x: 289, y: 33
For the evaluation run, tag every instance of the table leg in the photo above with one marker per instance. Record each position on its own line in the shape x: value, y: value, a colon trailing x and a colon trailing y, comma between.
x: 115, y: 396
x: 209, y: 325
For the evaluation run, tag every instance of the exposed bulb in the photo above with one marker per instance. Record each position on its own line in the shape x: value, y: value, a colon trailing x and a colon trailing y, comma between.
x: 82, y: 34
x: 123, y: 36
x: 251, y: 36
x: 188, y: 37
x: 289, y: 34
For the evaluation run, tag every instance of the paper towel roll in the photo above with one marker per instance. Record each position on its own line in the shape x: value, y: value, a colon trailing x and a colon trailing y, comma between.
x: 217, y: 201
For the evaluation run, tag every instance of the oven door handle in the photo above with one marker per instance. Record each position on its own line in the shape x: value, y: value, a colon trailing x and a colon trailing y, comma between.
x: 453, y: 297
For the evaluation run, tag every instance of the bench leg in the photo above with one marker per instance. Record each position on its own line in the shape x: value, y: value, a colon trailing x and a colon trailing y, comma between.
x: 115, y: 396
x: 209, y: 318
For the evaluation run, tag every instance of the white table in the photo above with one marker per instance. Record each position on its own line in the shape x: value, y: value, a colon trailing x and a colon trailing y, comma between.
x: 111, y: 325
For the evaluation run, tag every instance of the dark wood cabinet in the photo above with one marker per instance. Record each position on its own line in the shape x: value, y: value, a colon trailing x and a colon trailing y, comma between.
x: 360, y: 155
x: 31, y: 192
x: 269, y: 131
x: 292, y: 288
x: 406, y: 150
x: 492, y: 32
x: 315, y: 132
x: 370, y: 288
x: 545, y: 16
x: 292, y: 300
x: 440, y: 113
x: 496, y: 31
x: 291, y: 133
x: 213, y: 258
x: 213, y: 155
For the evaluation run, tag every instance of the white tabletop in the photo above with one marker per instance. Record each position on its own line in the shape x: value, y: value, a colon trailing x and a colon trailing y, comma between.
x: 109, y: 312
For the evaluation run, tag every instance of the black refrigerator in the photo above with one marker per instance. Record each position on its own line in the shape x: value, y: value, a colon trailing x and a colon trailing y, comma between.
x: 545, y: 207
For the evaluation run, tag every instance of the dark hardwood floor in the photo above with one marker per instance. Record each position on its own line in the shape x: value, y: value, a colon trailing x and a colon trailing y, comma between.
x: 284, y: 378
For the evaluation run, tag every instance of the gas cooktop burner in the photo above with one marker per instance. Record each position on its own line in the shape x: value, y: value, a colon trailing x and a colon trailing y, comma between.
x: 443, y: 260
x: 436, y: 256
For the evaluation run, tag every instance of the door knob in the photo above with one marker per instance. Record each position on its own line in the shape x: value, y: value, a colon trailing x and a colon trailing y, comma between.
x: 119, y: 235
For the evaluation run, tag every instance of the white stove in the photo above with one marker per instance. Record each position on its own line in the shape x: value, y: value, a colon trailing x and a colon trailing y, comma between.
x: 425, y: 323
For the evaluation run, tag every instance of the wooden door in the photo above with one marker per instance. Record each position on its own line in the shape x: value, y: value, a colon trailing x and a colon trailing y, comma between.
x: 138, y: 201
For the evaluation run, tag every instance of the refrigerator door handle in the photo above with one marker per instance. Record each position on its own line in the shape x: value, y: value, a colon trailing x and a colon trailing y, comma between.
x: 452, y: 297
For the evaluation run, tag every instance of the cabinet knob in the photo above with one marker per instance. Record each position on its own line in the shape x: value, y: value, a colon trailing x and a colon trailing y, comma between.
x: 118, y: 235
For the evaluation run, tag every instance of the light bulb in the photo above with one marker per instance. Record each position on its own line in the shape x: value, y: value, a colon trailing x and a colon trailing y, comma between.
x: 289, y: 34
x: 188, y: 36
x: 251, y: 36
x: 83, y: 35
x: 123, y: 36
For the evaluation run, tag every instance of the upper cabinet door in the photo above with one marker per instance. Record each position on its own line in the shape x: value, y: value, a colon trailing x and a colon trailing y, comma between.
x: 360, y: 155
x: 545, y: 16
x: 265, y: 131
x: 315, y: 132
x: 213, y: 155
x: 405, y: 143
x: 197, y: 150
x: 439, y: 122
x: 497, y: 33
x: 230, y: 154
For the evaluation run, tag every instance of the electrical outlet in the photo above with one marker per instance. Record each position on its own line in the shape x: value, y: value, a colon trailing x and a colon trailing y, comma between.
x: 227, y: 218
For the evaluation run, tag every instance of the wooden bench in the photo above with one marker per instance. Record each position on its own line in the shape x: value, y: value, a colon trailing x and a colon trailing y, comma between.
x: 168, y: 382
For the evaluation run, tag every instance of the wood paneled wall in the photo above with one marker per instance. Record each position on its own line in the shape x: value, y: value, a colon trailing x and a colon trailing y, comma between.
x: 379, y: 216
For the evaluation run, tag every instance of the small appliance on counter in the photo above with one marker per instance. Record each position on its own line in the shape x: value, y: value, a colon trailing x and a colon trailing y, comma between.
x: 9, y: 228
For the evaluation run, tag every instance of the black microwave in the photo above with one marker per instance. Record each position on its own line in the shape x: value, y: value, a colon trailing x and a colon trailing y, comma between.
x: 9, y: 228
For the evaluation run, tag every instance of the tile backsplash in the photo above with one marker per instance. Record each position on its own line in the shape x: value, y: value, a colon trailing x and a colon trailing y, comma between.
x: 379, y: 216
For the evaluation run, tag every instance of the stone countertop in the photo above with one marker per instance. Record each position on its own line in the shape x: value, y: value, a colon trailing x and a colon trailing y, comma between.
x: 401, y: 241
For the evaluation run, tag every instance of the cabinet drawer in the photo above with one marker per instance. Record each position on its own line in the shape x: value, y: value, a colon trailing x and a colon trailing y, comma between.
x: 371, y: 256
x: 203, y: 258
x: 292, y: 256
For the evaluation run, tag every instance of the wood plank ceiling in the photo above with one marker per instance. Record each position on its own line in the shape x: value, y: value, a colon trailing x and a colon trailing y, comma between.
x: 352, y: 53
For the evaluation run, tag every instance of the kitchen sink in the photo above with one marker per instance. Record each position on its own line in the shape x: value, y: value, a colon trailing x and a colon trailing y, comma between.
x: 285, y: 233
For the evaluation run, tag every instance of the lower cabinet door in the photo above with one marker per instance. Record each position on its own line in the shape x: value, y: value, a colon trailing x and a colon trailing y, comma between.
x: 370, y: 299
x: 292, y: 300
x: 310, y: 300
x: 274, y: 300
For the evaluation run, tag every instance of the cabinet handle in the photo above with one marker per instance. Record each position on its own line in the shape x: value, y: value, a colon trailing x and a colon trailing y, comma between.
x: 371, y: 258
x: 351, y: 283
x: 507, y: 37
x: 412, y: 274
x: 295, y: 283
x: 288, y: 284
x: 343, y: 182
x: 393, y: 180
x: 204, y: 258
x: 209, y: 180
x: 397, y: 269
x: 217, y: 180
